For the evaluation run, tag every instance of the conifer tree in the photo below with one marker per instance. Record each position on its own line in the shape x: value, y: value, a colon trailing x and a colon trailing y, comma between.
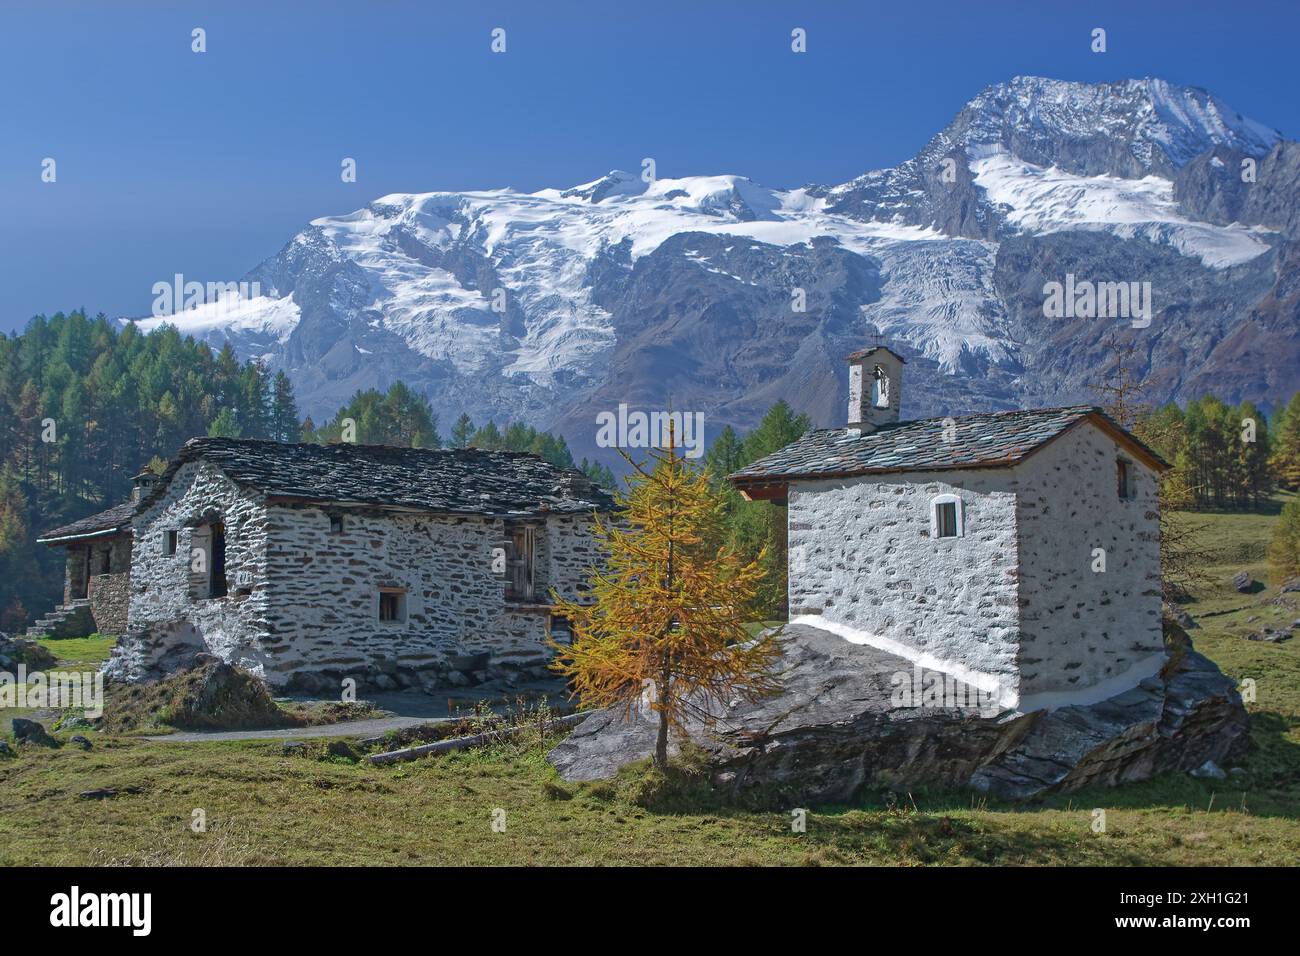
x: 1285, y: 461
x: 599, y: 473
x: 1284, y: 547
x: 666, y: 625
x: 284, y: 410
x: 462, y: 431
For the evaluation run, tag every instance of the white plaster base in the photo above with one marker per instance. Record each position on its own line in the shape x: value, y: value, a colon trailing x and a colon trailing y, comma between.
x: 1006, y: 697
x: 1092, y: 694
x: 1095, y: 693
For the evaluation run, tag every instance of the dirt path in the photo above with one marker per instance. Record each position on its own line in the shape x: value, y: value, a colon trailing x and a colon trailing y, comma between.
x: 351, y: 728
x: 404, y: 709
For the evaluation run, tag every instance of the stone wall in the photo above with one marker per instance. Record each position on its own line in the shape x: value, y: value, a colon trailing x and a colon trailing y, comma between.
x: 74, y: 576
x: 110, y: 601
x: 1081, y: 627
x: 862, y: 555
x: 171, y: 614
x: 303, y: 602
x: 324, y: 592
x: 110, y: 594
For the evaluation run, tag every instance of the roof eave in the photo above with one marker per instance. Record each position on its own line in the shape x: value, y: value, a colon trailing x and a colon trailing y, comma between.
x: 740, y: 480
x: 538, y: 512
x: 67, y: 538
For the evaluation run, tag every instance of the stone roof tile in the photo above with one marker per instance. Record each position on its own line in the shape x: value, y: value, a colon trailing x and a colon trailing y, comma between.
x: 929, y: 444
x: 458, y: 481
x: 116, y: 518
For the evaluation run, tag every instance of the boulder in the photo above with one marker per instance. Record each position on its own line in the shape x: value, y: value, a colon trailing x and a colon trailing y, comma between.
x: 1209, y: 771
x: 30, y: 732
x: 212, y: 695
x: 1290, y: 585
x: 1243, y: 582
x: 314, y: 682
x: 837, y: 730
x: 1271, y: 635
x: 16, y: 650
x: 77, y: 740
x: 5, y: 749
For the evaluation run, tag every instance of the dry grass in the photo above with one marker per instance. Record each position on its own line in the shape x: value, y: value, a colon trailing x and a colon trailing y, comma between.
x: 264, y: 806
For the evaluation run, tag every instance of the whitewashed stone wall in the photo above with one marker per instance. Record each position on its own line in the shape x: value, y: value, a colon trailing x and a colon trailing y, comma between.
x: 862, y: 555
x: 170, y: 614
x: 1079, y: 627
x: 324, y: 593
x: 305, y: 612
x: 1014, y: 597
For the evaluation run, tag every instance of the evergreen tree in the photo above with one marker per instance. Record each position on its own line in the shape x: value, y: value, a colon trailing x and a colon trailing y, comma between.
x: 1255, y: 479
x: 725, y: 456
x: 600, y: 474
x: 224, y: 425
x: 1285, y: 461
x: 462, y: 432
x: 1284, y: 547
x: 667, y: 620
x: 284, y: 410
x: 488, y: 438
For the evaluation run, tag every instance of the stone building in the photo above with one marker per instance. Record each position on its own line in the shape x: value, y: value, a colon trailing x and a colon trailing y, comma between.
x: 1016, y: 551
x: 308, y: 564
x: 96, y: 580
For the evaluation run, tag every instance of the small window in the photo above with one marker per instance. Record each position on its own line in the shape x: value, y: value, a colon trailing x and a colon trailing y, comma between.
x: 946, y: 514
x: 1124, y: 478
x: 879, y: 388
x: 169, y: 542
x: 521, y: 562
x: 336, y: 524
x: 217, y: 569
x: 392, y: 606
x: 946, y: 518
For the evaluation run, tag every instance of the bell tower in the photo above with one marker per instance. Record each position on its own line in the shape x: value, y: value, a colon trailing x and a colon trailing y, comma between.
x: 875, y: 388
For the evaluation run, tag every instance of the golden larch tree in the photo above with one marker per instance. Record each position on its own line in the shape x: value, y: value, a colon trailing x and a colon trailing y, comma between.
x: 666, y: 622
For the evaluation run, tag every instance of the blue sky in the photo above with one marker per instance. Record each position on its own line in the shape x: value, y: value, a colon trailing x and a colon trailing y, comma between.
x: 204, y: 164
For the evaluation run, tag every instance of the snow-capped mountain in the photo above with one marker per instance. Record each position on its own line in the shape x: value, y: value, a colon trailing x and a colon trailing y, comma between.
x: 554, y: 305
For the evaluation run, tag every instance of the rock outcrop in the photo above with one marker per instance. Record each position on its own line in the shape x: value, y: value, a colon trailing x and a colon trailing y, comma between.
x: 838, y: 729
x: 16, y: 650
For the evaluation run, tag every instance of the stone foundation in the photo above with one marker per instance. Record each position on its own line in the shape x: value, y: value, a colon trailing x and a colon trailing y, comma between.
x: 838, y: 731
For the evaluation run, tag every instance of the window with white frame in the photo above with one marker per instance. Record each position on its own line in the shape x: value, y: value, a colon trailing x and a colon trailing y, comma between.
x: 946, y: 518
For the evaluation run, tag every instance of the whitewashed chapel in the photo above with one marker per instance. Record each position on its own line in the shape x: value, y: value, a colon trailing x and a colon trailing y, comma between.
x: 396, y: 567
x: 1016, y: 551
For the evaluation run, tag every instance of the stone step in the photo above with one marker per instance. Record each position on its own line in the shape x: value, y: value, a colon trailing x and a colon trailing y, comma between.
x: 57, y: 621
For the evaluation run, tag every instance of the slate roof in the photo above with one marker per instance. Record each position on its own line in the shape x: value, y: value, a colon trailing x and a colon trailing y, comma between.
x: 450, y: 481
x: 115, y: 519
x: 976, y: 441
x: 871, y: 349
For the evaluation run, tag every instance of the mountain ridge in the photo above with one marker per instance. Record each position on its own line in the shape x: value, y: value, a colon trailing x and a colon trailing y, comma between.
x: 548, y: 307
